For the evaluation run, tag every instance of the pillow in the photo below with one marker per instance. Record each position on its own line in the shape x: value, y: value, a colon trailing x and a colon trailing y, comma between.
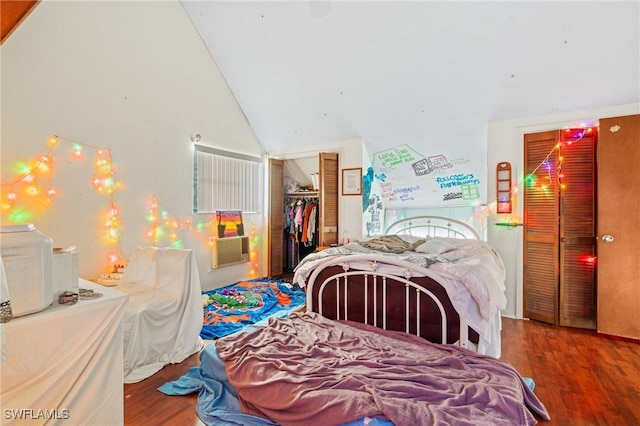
x: 435, y: 245
x: 409, y: 238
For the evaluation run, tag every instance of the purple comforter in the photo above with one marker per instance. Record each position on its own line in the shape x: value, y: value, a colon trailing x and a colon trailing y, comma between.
x: 309, y: 370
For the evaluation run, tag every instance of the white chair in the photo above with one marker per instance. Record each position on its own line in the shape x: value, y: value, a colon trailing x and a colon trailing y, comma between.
x: 163, y: 319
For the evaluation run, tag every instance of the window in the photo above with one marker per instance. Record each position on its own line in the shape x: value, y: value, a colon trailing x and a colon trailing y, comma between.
x: 226, y: 180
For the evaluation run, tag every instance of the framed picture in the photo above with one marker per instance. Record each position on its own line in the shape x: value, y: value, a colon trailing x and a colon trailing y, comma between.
x: 229, y: 223
x: 352, y: 181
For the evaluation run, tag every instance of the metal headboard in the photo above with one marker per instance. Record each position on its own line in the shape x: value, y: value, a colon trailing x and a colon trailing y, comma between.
x: 432, y: 226
x: 339, y: 282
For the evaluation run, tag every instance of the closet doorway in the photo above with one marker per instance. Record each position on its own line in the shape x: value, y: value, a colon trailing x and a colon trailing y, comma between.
x: 282, y: 255
x: 573, y: 276
x: 560, y: 227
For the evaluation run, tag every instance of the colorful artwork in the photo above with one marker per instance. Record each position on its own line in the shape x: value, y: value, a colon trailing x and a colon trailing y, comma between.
x: 229, y: 223
x: 403, y: 177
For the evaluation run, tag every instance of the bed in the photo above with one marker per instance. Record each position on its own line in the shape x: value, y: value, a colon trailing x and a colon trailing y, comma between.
x: 361, y: 367
x: 421, y: 270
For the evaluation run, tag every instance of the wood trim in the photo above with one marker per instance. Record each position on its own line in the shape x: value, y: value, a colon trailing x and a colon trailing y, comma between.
x: 328, y: 217
x: 12, y: 14
x: 276, y: 220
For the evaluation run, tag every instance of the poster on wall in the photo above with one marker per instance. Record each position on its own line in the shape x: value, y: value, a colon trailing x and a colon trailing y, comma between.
x: 229, y: 223
x: 402, y: 177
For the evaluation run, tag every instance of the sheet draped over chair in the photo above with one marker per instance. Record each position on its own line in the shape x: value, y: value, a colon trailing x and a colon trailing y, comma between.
x: 163, y: 319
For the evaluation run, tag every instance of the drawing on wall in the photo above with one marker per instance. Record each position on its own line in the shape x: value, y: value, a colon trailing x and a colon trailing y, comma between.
x: 407, y: 178
x: 367, y: 186
x: 427, y: 165
x: 373, y: 216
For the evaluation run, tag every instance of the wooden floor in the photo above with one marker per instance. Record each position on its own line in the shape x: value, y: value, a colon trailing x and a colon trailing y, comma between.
x: 581, y: 377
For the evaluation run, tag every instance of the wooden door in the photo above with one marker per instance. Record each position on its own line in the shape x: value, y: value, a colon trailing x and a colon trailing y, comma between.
x: 541, y: 240
x: 619, y: 218
x: 559, y: 237
x: 328, y: 194
x: 577, y: 189
x: 276, y: 218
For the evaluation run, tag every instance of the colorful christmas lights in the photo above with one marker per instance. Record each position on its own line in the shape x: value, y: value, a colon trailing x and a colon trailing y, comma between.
x: 163, y: 225
x: 24, y: 197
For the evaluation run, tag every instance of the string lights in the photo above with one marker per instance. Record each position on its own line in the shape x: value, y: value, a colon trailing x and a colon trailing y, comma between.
x: 543, y: 182
x: 164, y: 225
x: 23, y: 196
x: 30, y: 192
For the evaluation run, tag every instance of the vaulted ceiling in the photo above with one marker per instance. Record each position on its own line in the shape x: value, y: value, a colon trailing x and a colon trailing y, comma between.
x: 418, y: 72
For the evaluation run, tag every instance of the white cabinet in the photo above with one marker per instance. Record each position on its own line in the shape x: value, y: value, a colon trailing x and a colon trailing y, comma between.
x: 64, y: 364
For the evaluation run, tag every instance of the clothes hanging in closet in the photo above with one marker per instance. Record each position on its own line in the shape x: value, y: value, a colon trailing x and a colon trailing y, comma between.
x: 301, y: 229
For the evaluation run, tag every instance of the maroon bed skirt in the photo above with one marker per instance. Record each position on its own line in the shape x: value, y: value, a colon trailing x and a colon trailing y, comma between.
x: 430, y: 318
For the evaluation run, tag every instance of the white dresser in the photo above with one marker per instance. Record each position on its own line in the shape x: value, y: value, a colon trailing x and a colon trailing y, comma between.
x: 64, y: 364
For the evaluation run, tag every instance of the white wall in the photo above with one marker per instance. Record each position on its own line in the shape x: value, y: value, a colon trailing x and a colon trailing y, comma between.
x: 505, y: 143
x: 134, y: 77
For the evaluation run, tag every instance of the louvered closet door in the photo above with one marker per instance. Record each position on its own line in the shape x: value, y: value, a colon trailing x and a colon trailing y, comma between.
x: 541, y: 242
x: 276, y: 217
x: 328, y: 193
x: 577, y: 228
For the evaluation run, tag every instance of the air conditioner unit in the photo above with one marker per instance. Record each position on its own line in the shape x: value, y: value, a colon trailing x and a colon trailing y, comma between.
x: 229, y: 251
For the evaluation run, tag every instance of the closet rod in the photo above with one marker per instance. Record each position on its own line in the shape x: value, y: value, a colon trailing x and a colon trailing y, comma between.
x: 301, y: 194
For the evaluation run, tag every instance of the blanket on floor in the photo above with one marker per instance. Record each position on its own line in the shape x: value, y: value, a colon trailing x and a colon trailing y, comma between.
x: 229, y: 309
x: 305, y: 369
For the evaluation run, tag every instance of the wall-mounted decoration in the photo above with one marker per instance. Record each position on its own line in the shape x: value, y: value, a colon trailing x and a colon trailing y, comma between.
x: 503, y: 187
x: 352, y: 181
x: 229, y: 223
x: 407, y: 178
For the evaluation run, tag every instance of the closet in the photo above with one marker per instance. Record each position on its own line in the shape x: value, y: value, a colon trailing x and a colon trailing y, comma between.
x: 325, y: 199
x: 301, y: 235
x: 560, y: 227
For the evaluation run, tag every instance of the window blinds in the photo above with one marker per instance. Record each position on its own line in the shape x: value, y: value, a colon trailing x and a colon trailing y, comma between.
x: 226, y: 181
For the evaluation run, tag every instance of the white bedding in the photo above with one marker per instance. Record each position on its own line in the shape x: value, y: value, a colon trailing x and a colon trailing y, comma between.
x: 470, y: 270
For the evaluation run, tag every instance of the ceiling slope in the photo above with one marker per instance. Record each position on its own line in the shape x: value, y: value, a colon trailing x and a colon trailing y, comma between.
x: 417, y: 72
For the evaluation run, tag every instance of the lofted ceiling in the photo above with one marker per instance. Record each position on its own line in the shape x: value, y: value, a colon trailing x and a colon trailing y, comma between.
x: 417, y: 72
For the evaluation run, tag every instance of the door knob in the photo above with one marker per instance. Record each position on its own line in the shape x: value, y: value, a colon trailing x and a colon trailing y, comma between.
x: 607, y: 238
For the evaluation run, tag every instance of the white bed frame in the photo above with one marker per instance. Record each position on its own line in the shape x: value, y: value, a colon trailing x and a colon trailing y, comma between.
x: 391, y: 275
x: 432, y: 226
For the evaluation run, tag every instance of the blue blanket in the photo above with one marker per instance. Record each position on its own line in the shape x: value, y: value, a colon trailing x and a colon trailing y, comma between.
x: 233, y: 307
